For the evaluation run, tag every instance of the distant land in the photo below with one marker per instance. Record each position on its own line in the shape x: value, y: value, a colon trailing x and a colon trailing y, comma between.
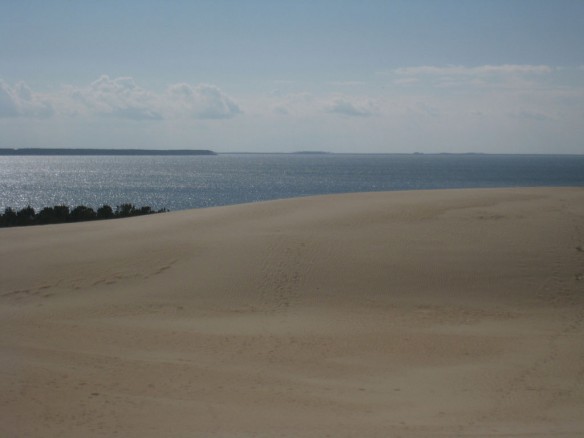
x: 43, y: 151
x: 311, y: 152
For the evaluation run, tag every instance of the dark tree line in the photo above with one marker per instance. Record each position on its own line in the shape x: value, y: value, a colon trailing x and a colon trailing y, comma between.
x: 62, y: 213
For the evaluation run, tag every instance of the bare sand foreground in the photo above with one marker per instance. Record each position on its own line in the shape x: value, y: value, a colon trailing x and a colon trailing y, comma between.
x: 419, y: 314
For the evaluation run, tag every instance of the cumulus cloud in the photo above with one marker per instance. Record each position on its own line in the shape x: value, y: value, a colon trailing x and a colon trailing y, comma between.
x: 21, y: 101
x: 123, y: 98
x: 120, y: 98
x: 202, y: 102
x: 346, y: 107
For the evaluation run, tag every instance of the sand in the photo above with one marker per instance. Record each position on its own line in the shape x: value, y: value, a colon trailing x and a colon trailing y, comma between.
x: 405, y: 314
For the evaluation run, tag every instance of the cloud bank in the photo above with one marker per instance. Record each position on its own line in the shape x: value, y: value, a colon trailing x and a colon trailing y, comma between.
x: 119, y: 98
x: 504, y: 108
x: 506, y: 75
x: 20, y: 101
x: 483, y: 70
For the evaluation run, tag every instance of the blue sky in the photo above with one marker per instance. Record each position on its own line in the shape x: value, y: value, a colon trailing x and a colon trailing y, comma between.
x: 342, y: 76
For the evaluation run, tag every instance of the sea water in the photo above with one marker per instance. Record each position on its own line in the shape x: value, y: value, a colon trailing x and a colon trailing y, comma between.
x: 178, y: 183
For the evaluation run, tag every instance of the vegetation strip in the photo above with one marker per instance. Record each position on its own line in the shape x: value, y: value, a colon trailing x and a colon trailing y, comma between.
x: 63, y: 214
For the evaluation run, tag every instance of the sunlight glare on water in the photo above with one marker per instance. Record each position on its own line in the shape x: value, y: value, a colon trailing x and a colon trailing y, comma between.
x: 178, y: 183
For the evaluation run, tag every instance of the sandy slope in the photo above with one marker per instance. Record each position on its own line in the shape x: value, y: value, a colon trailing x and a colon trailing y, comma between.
x: 444, y: 313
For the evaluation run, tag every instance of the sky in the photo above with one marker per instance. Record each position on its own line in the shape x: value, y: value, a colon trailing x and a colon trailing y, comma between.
x: 358, y: 76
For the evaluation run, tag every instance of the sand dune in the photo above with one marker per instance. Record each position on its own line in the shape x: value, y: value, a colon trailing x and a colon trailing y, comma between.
x: 418, y: 314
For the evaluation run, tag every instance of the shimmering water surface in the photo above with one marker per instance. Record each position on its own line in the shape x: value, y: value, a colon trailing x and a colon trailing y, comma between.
x: 178, y: 183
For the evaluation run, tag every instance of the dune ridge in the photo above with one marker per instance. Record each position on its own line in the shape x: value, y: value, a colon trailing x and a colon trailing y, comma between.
x: 411, y: 314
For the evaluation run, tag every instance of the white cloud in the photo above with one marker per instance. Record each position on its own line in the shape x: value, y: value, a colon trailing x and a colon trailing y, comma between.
x: 118, y: 98
x: 508, y: 76
x: 292, y: 104
x: 406, y: 81
x: 508, y: 106
x: 8, y: 106
x: 20, y: 101
x: 484, y: 70
x: 202, y: 102
x: 304, y: 105
x: 346, y: 107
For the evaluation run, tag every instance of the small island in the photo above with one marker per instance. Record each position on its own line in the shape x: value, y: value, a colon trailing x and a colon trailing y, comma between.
x: 311, y: 152
x: 104, y: 152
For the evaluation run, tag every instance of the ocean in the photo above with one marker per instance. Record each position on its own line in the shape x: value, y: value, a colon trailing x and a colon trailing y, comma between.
x: 179, y: 183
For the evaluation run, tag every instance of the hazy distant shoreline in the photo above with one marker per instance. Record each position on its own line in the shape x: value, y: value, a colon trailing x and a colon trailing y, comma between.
x: 187, y: 152
x: 60, y: 152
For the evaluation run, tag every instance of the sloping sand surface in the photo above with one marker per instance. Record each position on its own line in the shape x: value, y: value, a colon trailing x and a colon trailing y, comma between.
x: 412, y: 314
